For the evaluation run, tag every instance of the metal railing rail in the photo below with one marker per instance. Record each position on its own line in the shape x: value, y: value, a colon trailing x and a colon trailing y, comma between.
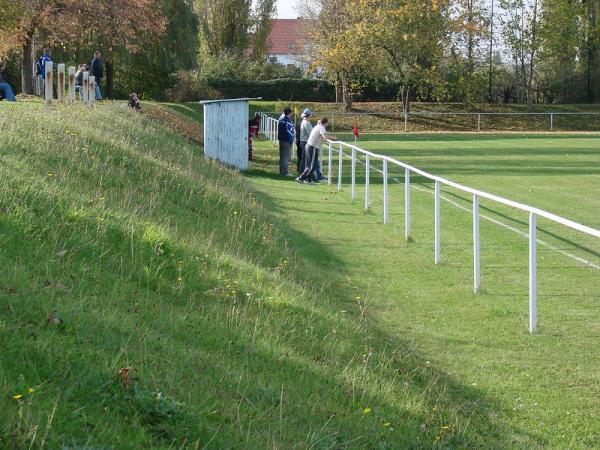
x: 477, y: 194
x: 479, y: 115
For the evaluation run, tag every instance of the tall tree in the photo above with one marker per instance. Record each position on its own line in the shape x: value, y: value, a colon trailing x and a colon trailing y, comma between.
x: 260, y: 27
x: 520, y: 31
x: 338, y: 49
x: 103, y: 24
x: 410, y: 35
x: 469, y: 29
x: 25, y: 19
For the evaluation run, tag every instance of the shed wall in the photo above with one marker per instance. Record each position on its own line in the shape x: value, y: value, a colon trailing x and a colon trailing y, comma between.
x: 226, y: 132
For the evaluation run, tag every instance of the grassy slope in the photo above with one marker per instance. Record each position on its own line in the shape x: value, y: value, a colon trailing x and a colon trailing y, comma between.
x: 158, y: 260
x: 161, y: 254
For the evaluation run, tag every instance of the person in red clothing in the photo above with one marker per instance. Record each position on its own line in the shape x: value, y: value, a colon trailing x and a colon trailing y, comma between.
x: 253, y: 130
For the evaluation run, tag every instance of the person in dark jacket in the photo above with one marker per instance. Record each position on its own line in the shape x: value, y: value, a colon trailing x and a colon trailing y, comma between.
x: 98, y: 72
x: 285, y: 136
x: 4, y: 86
x: 134, y: 101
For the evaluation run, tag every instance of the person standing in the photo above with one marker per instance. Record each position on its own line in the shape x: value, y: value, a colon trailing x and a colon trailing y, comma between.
x: 47, y: 56
x: 253, y: 130
x: 285, y: 136
x: 305, y: 129
x: 313, y: 147
x: 98, y: 72
x: 4, y: 86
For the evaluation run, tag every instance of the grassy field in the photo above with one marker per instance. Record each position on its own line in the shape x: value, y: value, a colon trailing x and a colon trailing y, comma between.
x: 254, y: 312
x: 534, y: 391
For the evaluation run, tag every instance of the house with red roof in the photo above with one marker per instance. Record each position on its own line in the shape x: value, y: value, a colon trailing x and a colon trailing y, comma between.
x: 285, y: 42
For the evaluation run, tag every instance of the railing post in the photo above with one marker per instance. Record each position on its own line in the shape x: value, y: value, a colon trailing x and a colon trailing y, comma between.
x: 407, y: 204
x: 385, y: 191
x: 405, y: 122
x: 476, y: 266
x: 340, y: 162
x: 532, y: 274
x: 71, y: 91
x: 478, y: 122
x: 353, y: 173
x: 437, y: 240
x: 92, y: 93
x: 49, y: 87
x: 367, y: 179
x: 60, y: 87
x: 330, y: 163
x: 85, y: 88
x: 551, y: 122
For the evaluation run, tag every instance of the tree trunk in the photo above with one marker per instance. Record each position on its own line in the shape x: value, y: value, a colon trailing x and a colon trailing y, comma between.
x: 470, y: 51
x: 27, y: 67
x: 405, y: 97
x: 532, y: 56
x: 491, y: 54
x: 110, y: 79
x: 346, y: 94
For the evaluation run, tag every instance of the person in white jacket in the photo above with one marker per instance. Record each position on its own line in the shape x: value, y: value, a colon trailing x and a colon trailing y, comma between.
x: 313, y: 146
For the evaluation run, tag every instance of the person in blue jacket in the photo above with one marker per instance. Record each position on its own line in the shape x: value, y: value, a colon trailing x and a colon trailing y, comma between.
x: 285, y: 135
x: 41, y: 64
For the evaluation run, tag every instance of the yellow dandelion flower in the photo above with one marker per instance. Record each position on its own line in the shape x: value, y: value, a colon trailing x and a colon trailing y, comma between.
x: 367, y: 410
x: 18, y: 396
x: 31, y: 390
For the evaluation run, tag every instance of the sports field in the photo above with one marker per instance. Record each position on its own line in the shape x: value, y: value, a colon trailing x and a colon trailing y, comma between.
x: 511, y: 388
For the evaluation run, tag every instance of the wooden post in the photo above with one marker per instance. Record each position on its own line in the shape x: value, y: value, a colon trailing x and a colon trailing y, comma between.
x: 71, y: 92
x: 49, y: 68
x: 84, y: 90
x: 60, y: 89
x: 92, y: 93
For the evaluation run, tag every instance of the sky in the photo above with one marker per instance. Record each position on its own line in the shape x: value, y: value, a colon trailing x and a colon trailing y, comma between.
x: 286, y: 9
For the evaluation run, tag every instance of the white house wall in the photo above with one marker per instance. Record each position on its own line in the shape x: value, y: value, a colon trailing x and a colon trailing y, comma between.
x: 226, y: 132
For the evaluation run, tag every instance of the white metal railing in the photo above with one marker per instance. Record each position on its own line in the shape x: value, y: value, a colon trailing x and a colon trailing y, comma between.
x: 477, y: 194
x: 549, y: 115
x: 268, y: 126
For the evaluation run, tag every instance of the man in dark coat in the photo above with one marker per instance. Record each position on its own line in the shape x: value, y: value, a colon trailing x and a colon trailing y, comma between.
x: 98, y: 72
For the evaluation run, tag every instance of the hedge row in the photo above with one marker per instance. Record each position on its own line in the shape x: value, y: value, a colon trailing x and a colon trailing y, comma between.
x: 293, y: 89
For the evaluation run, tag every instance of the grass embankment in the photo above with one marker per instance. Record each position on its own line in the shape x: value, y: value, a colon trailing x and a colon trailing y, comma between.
x: 387, y: 116
x: 122, y: 248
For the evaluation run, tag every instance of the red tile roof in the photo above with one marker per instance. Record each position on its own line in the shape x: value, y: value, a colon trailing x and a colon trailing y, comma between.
x: 285, y: 37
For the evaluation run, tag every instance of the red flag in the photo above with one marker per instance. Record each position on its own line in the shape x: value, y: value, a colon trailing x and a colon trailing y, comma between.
x: 355, y: 130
